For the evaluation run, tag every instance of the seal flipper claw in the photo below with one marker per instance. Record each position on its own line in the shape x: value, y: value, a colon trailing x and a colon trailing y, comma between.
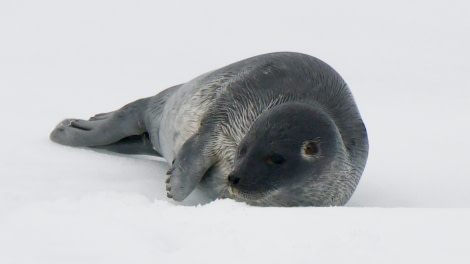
x: 100, y: 116
x: 81, y: 124
x: 170, y: 171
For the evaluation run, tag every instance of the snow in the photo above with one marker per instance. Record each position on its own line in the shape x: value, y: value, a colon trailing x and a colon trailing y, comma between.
x: 405, y: 61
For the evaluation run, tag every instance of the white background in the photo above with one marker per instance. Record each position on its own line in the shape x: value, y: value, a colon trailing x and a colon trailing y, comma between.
x: 406, y: 62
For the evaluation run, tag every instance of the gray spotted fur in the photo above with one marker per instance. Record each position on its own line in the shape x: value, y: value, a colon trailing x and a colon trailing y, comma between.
x: 199, y: 126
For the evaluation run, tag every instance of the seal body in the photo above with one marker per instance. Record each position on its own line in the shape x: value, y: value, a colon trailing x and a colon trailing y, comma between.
x: 279, y: 129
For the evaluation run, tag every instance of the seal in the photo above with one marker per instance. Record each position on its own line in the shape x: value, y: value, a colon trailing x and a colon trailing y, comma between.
x: 279, y: 129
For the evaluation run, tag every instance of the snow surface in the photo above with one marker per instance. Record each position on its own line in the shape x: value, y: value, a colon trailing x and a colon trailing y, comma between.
x: 407, y: 63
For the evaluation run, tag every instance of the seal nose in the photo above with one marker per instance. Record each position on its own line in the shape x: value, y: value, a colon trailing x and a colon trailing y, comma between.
x: 233, y: 179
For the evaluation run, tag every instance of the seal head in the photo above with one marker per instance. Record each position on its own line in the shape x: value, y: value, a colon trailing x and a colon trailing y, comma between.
x: 290, y: 157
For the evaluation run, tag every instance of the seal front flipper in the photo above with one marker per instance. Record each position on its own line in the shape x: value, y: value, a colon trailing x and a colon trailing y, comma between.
x: 189, y: 167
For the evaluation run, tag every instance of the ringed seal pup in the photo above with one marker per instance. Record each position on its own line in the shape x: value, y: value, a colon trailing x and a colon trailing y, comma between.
x: 280, y: 129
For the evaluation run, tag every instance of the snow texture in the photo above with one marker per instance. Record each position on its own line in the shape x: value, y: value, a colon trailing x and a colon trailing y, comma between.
x: 406, y: 62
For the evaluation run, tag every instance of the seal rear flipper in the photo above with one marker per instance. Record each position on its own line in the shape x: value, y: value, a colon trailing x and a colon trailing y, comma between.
x: 189, y: 167
x: 102, y: 129
x: 138, y: 144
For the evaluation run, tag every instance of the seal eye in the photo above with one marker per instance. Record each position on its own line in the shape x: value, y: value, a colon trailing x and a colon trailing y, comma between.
x: 311, y: 148
x: 276, y: 159
x: 242, y: 151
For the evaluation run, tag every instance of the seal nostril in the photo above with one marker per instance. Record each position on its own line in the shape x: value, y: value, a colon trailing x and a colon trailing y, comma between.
x: 233, y: 179
x: 236, y: 180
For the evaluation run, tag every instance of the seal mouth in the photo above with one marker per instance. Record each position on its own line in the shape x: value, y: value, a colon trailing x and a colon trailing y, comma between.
x: 241, y: 195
